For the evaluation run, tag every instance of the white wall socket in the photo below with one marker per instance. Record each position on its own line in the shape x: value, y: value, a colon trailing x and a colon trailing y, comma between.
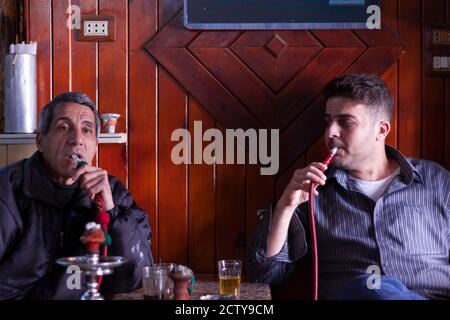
x: 95, y: 28
x: 436, y: 63
x: 441, y: 64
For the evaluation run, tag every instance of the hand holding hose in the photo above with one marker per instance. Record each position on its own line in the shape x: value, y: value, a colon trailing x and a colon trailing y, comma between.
x: 94, y: 181
x: 298, y: 188
x: 296, y: 193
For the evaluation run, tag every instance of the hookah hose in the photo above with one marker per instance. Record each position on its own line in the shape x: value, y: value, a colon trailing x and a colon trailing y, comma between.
x: 102, y: 217
x: 312, y: 227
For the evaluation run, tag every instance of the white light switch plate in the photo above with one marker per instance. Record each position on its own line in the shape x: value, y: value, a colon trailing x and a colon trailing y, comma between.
x: 436, y: 62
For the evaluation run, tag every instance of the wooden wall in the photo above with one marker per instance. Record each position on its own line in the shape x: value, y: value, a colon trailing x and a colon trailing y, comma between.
x: 8, y: 15
x: 7, y: 36
x: 161, y: 77
x: 435, y: 129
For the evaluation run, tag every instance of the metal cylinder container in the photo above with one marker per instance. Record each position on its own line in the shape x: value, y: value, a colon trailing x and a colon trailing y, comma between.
x: 20, y: 93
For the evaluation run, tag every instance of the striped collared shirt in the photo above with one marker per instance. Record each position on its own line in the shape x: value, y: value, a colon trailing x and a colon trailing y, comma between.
x: 404, y: 234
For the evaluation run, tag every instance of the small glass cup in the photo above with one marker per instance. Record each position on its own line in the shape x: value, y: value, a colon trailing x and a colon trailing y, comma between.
x: 169, y: 267
x: 230, y: 277
x: 156, y: 283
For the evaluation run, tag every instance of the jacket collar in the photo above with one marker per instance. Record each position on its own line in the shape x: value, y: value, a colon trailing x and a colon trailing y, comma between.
x: 37, y: 184
x: 409, y: 172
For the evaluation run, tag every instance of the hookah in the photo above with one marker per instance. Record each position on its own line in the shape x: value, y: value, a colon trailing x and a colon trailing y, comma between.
x: 94, y: 265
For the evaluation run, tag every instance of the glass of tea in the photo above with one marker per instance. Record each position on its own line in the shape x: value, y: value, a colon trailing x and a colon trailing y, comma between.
x: 169, y: 294
x: 156, y: 283
x: 230, y: 277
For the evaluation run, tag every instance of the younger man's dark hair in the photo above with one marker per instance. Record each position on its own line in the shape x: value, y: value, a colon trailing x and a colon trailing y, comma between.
x: 367, y: 89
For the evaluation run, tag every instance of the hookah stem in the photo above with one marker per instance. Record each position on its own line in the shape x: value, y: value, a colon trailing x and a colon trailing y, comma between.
x: 312, y: 224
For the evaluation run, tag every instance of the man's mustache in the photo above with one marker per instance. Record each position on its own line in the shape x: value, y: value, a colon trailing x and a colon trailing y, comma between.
x: 335, y: 144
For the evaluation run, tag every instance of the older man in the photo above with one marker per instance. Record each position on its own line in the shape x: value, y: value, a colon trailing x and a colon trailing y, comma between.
x: 46, y: 201
x: 377, y: 211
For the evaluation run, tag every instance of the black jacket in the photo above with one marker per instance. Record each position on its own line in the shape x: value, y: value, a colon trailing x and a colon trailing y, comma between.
x: 36, y: 228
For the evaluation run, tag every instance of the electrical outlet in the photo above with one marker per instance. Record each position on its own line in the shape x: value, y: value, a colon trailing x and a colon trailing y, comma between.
x: 441, y: 36
x: 436, y: 63
x: 436, y: 36
x: 96, y: 28
x: 441, y: 64
x: 444, y: 62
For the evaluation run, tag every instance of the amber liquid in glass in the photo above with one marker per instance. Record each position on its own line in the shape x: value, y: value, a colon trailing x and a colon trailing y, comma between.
x: 230, y: 284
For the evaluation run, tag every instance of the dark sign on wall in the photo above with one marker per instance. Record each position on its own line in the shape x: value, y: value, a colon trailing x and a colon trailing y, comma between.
x: 279, y: 14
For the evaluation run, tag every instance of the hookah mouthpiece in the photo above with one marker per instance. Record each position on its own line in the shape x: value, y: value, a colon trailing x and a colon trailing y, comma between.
x: 80, y: 163
x: 330, y: 156
x: 334, y: 150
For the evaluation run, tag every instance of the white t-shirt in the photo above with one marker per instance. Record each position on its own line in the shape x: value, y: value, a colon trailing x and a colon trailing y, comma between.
x: 374, y: 189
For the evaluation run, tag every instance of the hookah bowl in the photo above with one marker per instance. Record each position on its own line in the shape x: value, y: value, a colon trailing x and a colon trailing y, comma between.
x: 93, y: 266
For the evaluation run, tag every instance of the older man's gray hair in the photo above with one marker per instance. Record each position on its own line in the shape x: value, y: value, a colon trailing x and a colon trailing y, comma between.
x: 46, y: 114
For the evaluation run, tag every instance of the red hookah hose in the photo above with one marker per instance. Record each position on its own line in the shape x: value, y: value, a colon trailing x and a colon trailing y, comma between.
x: 102, y: 218
x: 312, y: 227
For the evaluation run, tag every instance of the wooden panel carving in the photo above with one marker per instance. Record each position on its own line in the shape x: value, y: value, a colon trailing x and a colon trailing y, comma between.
x: 270, y: 79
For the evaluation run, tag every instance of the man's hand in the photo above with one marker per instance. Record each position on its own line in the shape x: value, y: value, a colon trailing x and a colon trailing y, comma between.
x: 297, y: 190
x: 94, y: 180
x: 295, y: 194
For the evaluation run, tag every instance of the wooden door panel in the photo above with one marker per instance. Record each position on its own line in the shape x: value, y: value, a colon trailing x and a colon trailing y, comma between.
x: 230, y: 211
x: 303, y: 91
x: 434, y: 88
x: 41, y: 32
x: 276, y: 57
x: 172, y: 186
x: 202, y: 200
x: 142, y: 113
x: 84, y: 57
x: 410, y: 100
x: 167, y: 10
x: 61, y: 48
x: 112, y: 68
x: 194, y: 63
x: 260, y: 194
